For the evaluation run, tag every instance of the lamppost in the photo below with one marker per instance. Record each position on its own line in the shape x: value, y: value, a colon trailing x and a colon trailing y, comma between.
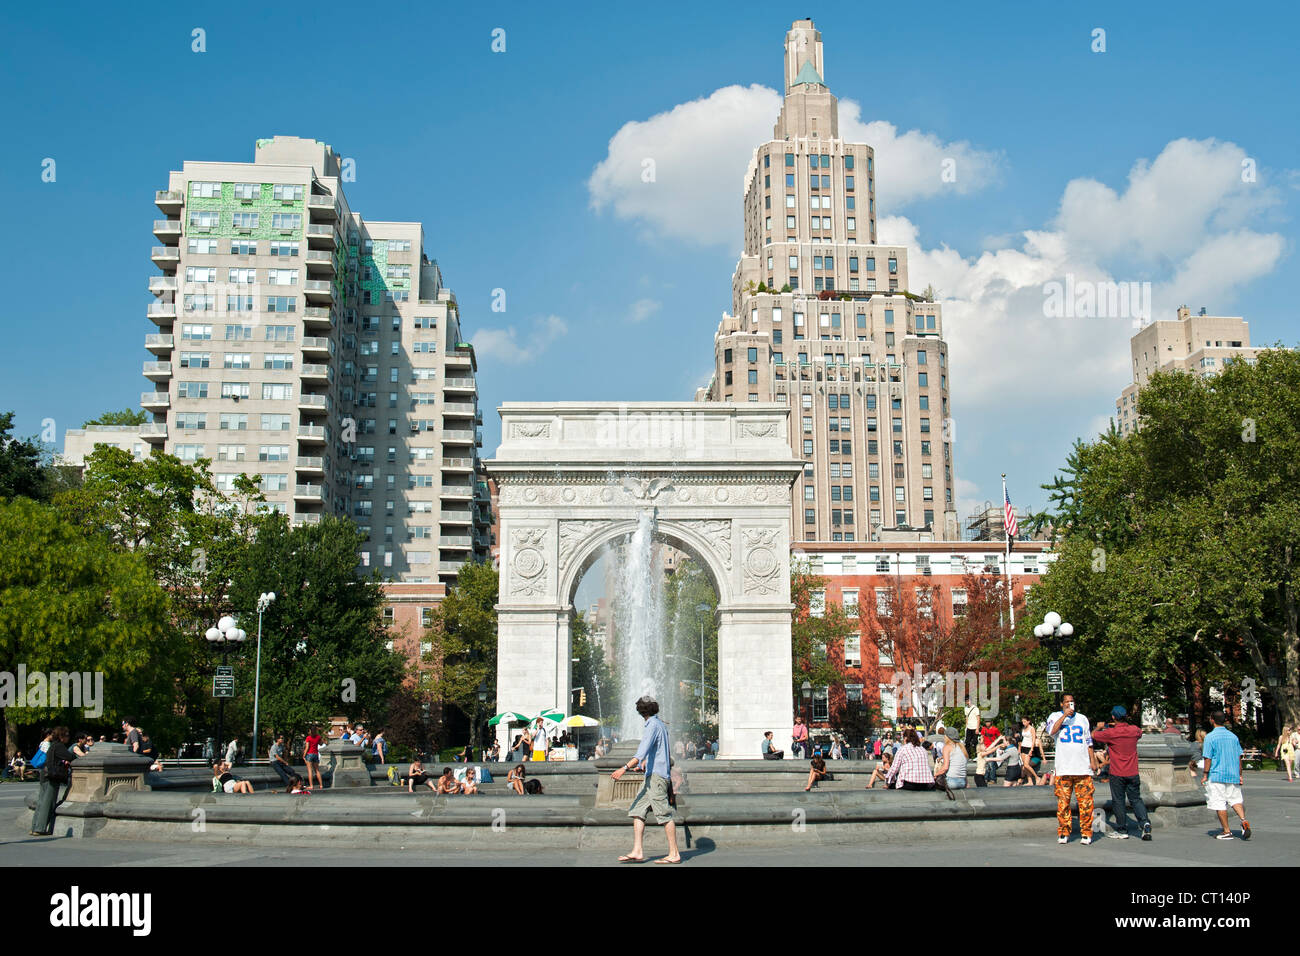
x: 1054, y: 634
x: 807, y: 705
x: 223, y: 635
x: 263, y: 602
x: 478, y: 707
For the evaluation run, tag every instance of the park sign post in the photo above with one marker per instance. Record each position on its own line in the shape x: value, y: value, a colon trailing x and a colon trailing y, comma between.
x: 1055, y: 679
x: 223, y: 682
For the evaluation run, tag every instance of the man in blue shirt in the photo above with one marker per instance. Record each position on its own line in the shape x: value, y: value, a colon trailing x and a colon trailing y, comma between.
x: 1222, y: 751
x: 652, y: 756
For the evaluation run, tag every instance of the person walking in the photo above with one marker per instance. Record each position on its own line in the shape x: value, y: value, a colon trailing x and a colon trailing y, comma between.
x: 1222, y: 752
x: 1285, y: 751
x: 652, y: 755
x: 1125, y: 786
x: 55, y: 772
x: 1072, y: 774
x: 972, y: 726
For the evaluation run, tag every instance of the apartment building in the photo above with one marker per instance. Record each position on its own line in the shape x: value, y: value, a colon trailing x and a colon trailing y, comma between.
x: 1200, y: 344
x: 299, y: 342
x: 825, y: 320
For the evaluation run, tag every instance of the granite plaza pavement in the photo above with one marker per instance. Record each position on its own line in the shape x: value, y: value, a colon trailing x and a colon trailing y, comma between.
x: 1272, y: 805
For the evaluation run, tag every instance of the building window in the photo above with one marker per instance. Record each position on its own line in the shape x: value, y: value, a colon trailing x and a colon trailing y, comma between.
x: 853, y: 652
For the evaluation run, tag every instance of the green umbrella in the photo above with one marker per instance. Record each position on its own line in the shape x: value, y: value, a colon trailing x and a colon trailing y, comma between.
x: 510, y: 717
x: 554, y: 716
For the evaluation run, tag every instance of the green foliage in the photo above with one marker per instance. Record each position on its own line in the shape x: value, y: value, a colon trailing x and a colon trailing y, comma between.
x: 786, y: 288
x: 815, y: 628
x: 71, y: 602
x: 689, y: 588
x: 22, y: 472
x: 464, y: 638
x: 1177, y: 563
x: 127, y: 416
x: 323, y: 641
x: 592, y: 672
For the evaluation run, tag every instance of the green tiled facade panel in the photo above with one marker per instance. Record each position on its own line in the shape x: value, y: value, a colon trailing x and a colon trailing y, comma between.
x: 265, y: 206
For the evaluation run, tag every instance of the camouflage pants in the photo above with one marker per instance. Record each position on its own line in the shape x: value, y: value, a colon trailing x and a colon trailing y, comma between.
x: 1082, y: 788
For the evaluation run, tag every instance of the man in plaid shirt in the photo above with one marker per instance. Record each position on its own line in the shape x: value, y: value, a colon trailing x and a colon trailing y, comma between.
x: 911, y: 767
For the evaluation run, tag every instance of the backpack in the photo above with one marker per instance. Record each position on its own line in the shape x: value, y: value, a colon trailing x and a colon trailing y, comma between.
x: 38, y: 760
x: 532, y: 787
x: 393, y: 778
x: 58, y: 771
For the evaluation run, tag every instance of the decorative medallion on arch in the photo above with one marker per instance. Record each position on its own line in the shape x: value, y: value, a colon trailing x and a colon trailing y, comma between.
x: 715, y: 479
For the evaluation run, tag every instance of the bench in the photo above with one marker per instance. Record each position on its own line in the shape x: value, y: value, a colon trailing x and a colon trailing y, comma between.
x: 1252, y: 759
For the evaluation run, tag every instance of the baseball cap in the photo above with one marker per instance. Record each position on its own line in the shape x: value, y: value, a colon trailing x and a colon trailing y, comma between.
x: 1118, y: 711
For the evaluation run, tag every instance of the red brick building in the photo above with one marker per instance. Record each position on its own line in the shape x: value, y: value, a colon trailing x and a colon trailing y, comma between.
x: 859, y: 575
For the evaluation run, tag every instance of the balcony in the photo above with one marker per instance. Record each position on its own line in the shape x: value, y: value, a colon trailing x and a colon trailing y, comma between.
x: 169, y: 201
x: 167, y: 231
x: 316, y: 373
x: 312, y: 434
x: 456, y: 517
x: 319, y: 347
x: 166, y: 258
x: 459, y: 360
x: 458, y: 410
x: 318, y: 317
x: 162, y: 313
x: 453, y: 566
x: 158, y: 371
x: 160, y: 284
x: 459, y: 385
x: 457, y: 491
x: 458, y: 464
x: 319, y: 262
x: 155, y: 401
x: 318, y: 290
x: 457, y: 437
x: 323, y: 208
x: 322, y: 237
x: 154, y: 432
x: 308, y: 493
x: 310, y: 466
x: 310, y: 518
x: 158, y: 343
x: 314, y: 404
x: 455, y: 542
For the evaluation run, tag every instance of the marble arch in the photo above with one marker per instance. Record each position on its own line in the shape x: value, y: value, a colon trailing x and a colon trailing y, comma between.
x: 574, y: 476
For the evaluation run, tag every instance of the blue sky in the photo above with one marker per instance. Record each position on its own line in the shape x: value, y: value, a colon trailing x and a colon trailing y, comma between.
x: 495, y: 153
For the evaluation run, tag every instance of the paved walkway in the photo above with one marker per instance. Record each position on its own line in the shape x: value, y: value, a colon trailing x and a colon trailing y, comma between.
x: 1272, y: 806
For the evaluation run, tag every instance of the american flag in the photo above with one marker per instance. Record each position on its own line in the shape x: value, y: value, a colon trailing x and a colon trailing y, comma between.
x: 1009, y: 520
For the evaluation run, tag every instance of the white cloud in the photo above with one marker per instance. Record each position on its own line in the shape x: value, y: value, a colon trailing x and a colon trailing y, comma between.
x: 1000, y: 341
x: 508, y: 346
x: 642, y: 309
x: 700, y: 150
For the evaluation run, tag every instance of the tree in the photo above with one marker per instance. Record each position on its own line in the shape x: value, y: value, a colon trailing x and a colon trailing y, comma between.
x: 817, y: 631
x: 690, y: 610
x: 591, y: 671
x: 1180, y: 540
x: 464, y: 639
x: 126, y: 417
x: 921, y: 637
x: 70, y: 602
x: 22, y: 474
x: 323, y: 641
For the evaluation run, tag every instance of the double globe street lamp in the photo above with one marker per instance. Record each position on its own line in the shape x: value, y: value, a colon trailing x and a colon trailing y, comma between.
x: 224, y: 635
x: 1054, y: 634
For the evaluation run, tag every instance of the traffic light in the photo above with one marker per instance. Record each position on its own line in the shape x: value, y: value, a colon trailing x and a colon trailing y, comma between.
x: 582, y: 698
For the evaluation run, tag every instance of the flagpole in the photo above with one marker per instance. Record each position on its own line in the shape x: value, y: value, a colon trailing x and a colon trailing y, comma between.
x: 1006, y: 558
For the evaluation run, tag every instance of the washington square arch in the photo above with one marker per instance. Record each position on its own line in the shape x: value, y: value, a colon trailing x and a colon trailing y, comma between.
x: 715, y: 479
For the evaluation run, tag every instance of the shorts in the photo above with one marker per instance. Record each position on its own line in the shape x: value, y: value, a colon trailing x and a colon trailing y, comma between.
x: 229, y: 786
x: 653, y: 795
x: 311, y: 758
x: 1219, y: 796
x: 1013, y: 773
x: 539, y: 755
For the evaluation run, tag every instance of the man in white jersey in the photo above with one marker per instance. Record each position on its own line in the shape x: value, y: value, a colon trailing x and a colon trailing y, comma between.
x: 1075, y: 763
